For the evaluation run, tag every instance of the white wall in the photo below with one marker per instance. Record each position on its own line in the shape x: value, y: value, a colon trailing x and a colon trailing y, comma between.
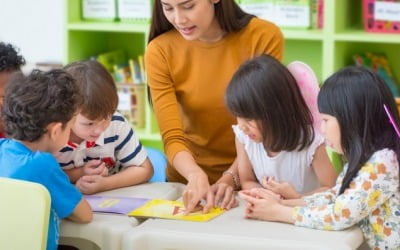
x: 36, y: 27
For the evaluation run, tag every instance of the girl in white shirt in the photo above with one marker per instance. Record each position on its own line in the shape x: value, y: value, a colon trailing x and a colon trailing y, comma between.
x: 277, y: 146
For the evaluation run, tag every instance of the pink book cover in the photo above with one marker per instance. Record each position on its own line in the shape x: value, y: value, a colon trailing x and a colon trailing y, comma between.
x: 320, y: 14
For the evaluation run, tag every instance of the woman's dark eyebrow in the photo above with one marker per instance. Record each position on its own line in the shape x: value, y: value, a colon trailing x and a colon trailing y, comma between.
x: 182, y: 3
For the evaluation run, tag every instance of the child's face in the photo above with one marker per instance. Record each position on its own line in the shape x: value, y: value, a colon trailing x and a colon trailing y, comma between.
x: 66, y: 132
x: 62, y: 137
x: 250, y: 128
x: 331, y: 131
x: 89, y: 130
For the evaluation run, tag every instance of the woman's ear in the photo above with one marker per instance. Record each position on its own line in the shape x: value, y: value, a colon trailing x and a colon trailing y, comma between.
x: 53, y: 129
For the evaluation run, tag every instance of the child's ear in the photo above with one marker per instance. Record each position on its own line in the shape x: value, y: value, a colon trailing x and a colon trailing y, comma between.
x: 53, y: 129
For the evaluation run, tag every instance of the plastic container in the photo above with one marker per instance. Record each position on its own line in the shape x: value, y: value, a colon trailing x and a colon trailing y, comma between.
x: 381, y: 16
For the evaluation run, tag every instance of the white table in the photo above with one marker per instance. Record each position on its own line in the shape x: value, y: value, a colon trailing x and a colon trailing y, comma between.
x: 232, y: 231
x: 106, y: 230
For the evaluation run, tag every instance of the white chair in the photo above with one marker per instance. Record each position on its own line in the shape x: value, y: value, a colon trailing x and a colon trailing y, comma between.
x: 24, y: 215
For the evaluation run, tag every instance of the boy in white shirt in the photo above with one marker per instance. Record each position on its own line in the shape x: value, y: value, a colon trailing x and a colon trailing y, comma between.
x: 103, y: 152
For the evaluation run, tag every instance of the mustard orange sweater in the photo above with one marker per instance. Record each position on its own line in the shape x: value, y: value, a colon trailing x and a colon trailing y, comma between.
x: 188, y: 81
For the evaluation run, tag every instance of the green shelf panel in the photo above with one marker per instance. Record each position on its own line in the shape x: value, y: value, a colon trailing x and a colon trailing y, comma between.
x: 149, y: 136
x: 357, y: 35
x: 347, y: 15
x: 83, y: 44
x: 109, y: 26
x: 74, y: 10
x: 302, y: 34
x: 309, y: 52
x: 152, y: 143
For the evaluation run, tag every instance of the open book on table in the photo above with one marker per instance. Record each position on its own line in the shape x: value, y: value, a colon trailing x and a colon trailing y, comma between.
x: 166, y: 209
x: 148, y: 208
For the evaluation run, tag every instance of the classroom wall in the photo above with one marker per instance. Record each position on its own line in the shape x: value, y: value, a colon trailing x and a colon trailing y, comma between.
x: 34, y: 26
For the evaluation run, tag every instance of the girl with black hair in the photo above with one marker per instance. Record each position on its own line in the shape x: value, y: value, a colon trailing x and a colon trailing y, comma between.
x: 359, y: 120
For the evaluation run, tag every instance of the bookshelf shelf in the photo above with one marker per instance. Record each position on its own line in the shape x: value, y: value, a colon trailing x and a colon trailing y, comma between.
x: 303, y: 34
x: 109, y: 27
x: 325, y: 50
x: 362, y: 36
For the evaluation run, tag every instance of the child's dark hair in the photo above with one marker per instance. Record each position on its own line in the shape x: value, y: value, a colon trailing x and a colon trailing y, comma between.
x: 100, y: 98
x: 32, y: 102
x: 263, y: 89
x: 10, y: 60
x: 355, y: 97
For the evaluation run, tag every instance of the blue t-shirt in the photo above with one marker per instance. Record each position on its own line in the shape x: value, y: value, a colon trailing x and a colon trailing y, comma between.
x: 19, y: 162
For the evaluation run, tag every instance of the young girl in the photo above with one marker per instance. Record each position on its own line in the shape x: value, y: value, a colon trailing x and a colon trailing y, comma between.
x: 275, y: 142
x: 194, y: 48
x: 360, y: 121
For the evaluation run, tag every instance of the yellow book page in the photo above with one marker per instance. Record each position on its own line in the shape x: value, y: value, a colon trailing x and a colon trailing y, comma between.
x: 166, y: 209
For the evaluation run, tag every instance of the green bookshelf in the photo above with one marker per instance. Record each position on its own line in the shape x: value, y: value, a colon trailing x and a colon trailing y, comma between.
x: 324, y: 50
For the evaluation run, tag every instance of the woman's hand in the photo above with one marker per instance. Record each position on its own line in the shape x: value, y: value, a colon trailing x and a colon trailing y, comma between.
x: 197, y: 189
x: 224, y: 196
x: 284, y: 189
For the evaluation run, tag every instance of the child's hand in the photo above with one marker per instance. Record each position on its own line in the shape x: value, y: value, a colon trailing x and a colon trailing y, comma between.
x: 261, y: 204
x: 90, y: 184
x: 95, y: 167
x: 284, y: 189
x: 260, y: 192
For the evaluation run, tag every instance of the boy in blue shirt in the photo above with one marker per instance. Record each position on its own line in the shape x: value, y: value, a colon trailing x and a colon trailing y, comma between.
x: 38, y: 113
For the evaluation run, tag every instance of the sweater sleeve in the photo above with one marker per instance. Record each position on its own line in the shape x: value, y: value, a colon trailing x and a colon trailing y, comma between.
x: 274, y: 43
x: 164, y: 101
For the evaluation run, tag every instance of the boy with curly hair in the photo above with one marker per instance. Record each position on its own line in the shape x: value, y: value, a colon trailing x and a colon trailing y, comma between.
x: 10, y: 61
x: 38, y: 113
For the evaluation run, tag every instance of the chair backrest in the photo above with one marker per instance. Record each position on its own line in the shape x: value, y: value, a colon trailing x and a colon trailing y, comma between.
x: 309, y: 88
x: 24, y: 215
x: 159, y: 162
x: 308, y: 84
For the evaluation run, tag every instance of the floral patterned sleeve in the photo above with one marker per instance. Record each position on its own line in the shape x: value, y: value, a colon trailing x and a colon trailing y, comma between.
x: 327, y: 196
x: 375, y: 182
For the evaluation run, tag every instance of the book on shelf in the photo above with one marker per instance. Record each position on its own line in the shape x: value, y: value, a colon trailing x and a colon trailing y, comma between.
x: 379, y: 63
x: 131, y: 103
x: 175, y: 210
x: 109, y: 59
x: 122, y: 73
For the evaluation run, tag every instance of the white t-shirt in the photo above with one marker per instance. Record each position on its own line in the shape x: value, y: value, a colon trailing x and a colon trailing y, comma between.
x: 293, y: 167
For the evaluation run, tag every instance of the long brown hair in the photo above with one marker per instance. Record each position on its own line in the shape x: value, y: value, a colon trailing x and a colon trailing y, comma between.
x: 230, y: 17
